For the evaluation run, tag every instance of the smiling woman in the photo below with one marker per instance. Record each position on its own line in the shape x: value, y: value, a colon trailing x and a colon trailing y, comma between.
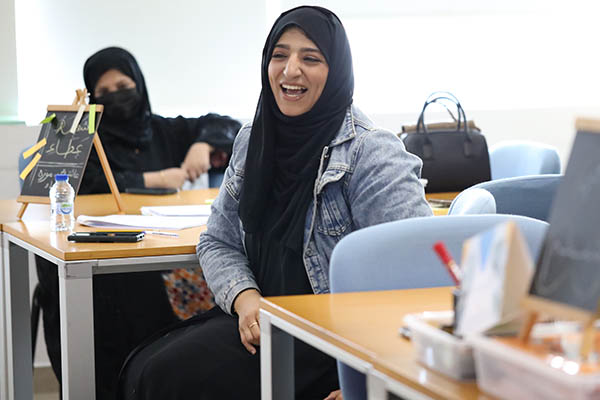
x: 310, y: 169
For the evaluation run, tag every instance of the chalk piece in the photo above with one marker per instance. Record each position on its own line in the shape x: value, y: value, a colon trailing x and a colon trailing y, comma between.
x: 34, y: 148
x: 77, y: 119
x: 30, y: 166
x: 48, y: 118
x: 92, y: 119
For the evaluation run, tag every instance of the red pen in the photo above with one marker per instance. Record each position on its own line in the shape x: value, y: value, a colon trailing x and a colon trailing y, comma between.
x: 449, y: 263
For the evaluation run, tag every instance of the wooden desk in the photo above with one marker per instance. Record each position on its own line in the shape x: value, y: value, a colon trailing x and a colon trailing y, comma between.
x: 77, y: 263
x: 440, y: 210
x: 360, y: 329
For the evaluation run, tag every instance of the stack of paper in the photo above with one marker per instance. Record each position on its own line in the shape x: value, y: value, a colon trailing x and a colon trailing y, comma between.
x: 141, y: 221
x: 178, y: 211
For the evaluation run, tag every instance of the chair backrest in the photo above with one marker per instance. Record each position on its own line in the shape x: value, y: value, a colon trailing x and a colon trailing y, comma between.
x: 518, y: 158
x: 531, y: 196
x: 399, y: 255
x: 473, y: 201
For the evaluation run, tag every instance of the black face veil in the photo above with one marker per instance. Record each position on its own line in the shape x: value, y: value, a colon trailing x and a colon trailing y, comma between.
x: 284, y: 152
x: 135, y: 130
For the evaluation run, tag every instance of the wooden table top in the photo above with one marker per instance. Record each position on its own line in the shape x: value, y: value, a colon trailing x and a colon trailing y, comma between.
x: 35, y: 226
x: 366, y: 324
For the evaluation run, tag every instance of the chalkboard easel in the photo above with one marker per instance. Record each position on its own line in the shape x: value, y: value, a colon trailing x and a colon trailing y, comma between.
x: 64, y: 146
x: 566, y: 283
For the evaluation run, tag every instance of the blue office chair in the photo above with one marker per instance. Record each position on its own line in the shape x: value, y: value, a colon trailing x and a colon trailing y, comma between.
x: 473, y: 201
x: 531, y: 196
x: 405, y: 260
x: 215, y: 178
x: 518, y: 158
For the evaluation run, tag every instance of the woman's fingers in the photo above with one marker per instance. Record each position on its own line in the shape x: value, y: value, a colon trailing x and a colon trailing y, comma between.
x: 247, y: 339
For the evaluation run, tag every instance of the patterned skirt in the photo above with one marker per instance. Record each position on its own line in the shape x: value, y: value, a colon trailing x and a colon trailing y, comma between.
x: 188, y: 292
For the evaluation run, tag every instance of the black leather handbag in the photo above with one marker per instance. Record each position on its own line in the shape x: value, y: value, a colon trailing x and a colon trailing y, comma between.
x: 455, y: 155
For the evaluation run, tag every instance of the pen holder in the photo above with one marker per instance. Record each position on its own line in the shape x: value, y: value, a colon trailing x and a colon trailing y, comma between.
x: 456, y: 292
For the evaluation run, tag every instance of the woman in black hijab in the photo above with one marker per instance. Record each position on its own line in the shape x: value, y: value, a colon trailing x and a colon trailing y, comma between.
x: 308, y: 171
x: 143, y: 150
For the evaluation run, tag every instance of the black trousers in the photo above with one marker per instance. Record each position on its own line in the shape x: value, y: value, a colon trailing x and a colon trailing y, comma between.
x: 204, y: 359
x: 128, y: 308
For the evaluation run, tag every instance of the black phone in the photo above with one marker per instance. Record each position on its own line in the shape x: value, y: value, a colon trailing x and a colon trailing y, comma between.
x: 150, y: 190
x: 119, y: 236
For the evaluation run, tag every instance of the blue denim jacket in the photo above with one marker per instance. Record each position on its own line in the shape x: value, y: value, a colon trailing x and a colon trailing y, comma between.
x: 370, y: 179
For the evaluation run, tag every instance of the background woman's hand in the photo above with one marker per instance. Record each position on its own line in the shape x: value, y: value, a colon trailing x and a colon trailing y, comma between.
x: 197, y: 160
x: 167, y: 178
x: 335, y: 395
x: 246, y: 307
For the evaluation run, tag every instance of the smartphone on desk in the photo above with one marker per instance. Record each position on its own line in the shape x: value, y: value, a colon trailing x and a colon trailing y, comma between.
x: 107, y: 237
x: 157, y: 191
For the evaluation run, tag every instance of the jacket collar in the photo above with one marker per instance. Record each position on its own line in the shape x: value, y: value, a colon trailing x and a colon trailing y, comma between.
x: 347, y: 131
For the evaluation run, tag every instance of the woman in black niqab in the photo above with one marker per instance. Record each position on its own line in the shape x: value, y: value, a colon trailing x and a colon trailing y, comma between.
x: 127, y: 113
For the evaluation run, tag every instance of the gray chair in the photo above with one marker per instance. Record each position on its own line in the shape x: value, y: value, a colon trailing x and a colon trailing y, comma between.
x: 531, y: 196
x: 405, y: 260
x: 518, y: 158
x: 473, y: 201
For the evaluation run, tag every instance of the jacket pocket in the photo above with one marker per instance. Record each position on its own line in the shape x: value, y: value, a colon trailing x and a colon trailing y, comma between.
x: 333, y: 216
x: 233, y: 184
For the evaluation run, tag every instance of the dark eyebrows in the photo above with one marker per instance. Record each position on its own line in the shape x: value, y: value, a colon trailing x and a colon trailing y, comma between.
x: 303, y: 49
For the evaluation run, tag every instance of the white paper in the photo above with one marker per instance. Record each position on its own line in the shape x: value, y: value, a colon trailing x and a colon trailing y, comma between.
x: 141, y: 221
x: 178, y: 211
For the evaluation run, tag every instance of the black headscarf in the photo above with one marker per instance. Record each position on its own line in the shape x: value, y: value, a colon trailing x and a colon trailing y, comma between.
x: 137, y: 130
x: 284, y: 152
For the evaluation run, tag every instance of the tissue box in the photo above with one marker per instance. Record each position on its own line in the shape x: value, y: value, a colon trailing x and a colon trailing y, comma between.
x: 440, y: 350
x: 505, y: 371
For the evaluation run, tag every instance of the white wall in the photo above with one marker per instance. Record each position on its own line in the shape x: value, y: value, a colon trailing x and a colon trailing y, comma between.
x: 8, y: 64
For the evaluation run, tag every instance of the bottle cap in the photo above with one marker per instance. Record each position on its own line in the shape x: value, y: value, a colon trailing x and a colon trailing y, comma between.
x: 61, y: 177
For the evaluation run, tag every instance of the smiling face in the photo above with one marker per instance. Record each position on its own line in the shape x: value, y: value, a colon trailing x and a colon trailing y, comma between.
x: 297, y: 73
x: 111, y: 81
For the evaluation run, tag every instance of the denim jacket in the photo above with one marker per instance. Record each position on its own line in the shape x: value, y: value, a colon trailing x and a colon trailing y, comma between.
x: 370, y: 179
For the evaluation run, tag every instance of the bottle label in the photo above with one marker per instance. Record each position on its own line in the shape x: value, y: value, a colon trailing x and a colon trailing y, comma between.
x: 65, y: 208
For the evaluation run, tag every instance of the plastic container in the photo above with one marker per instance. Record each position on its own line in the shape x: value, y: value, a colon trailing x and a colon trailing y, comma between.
x: 440, y: 350
x: 62, y: 204
x: 508, y: 373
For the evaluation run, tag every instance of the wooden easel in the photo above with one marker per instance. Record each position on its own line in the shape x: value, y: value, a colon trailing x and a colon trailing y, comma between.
x: 535, y: 305
x: 80, y: 100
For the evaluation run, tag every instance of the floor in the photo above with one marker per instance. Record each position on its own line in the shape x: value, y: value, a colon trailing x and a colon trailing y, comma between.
x: 45, y: 385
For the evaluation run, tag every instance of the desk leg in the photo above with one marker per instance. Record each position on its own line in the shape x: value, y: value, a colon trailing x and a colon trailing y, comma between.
x: 276, y: 361
x: 18, y: 322
x: 375, y: 386
x: 3, y: 367
x: 77, y: 331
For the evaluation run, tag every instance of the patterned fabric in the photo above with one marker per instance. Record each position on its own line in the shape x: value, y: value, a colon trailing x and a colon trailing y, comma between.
x: 188, y: 292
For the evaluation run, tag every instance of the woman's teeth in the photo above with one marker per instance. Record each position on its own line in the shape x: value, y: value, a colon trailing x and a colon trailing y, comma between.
x: 293, y: 90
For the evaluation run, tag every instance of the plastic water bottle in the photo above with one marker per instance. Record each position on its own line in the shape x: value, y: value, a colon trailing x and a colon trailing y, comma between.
x: 62, y: 204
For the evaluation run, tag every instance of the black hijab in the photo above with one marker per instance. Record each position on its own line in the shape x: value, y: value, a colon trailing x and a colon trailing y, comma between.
x: 284, y: 152
x: 137, y: 130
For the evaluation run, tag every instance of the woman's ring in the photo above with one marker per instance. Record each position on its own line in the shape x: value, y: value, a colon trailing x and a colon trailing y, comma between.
x: 252, y: 324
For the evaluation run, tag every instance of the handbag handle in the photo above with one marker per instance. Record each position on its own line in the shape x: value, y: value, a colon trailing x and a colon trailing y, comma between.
x: 427, y: 145
x: 462, y: 118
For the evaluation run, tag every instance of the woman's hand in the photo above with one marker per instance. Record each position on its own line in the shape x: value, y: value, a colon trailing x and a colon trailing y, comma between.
x: 246, y: 307
x: 167, y: 178
x: 335, y: 395
x: 197, y: 160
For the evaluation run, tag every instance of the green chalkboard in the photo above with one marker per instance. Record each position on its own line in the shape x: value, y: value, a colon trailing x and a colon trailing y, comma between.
x: 568, y: 269
x: 65, y: 151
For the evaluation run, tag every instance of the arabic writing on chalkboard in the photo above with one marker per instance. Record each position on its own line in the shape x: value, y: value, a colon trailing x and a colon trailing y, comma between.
x: 63, y: 153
